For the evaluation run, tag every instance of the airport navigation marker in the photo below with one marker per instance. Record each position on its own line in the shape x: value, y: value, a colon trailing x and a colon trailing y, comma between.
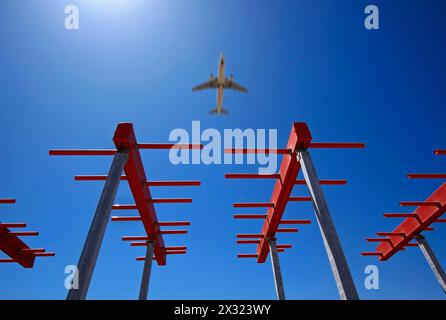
x: 127, y: 159
x: 295, y: 157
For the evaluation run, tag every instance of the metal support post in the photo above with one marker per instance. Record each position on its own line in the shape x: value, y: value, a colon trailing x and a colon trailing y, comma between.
x: 276, y: 269
x: 432, y: 261
x: 146, y: 272
x: 90, y: 251
x: 339, y: 266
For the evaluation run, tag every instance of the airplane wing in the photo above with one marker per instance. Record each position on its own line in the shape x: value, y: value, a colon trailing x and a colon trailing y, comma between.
x: 231, y: 84
x: 211, y: 83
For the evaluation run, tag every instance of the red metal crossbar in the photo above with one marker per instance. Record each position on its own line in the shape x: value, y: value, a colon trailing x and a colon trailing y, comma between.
x: 440, y: 152
x: 426, y: 176
x: 168, y: 183
x: 7, y: 201
x: 13, y: 225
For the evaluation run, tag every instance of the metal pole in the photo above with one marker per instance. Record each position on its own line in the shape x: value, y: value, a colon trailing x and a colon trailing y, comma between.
x: 280, y: 291
x: 146, y: 272
x: 432, y: 260
x: 339, y: 266
x: 90, y: 251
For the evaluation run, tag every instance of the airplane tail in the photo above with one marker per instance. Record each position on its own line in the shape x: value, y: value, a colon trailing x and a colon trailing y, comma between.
x: 215, y: 111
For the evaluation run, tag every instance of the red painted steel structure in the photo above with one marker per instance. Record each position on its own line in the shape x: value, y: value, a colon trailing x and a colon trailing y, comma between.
x: 299, y: 139
x: 425, y: 213
x: 17, y: 250
x: 135, y: 175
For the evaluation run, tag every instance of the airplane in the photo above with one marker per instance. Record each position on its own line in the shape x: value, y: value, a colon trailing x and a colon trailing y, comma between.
x: 220, y: 83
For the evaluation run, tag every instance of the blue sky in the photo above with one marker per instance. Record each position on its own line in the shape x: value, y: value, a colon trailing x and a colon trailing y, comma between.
x: 136, y: 61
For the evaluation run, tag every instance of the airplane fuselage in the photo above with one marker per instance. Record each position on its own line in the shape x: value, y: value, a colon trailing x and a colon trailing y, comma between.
x: 221, y: 82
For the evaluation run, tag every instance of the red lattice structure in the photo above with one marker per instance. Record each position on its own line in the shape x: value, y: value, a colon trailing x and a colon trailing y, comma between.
x: 17, y: 250
x: 425, y: 213
x: 299, y: 140
x: 135, y: 175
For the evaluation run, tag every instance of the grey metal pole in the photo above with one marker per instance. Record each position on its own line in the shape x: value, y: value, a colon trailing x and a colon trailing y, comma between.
x: 432, y: 261
x: 339, y: 266
x: 280, y: 291
x: 90, y: 251
x: 146, y: 272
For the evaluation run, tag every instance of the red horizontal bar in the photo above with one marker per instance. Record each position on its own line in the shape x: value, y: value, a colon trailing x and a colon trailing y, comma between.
x: 440, y: 152
x: 24, y: 233
x: 44, y: 254
x: 173, y: 231
x: 84, y: 152
x: 428, y: 229
x: 138, y: 244
x: 280, y: 250
x: 180, y: 248
x: 299, y: 199
x: 135, y: 238
x: 250, y: 235
x: 173, y: 183
x: 337, y: 182
x: 426, y: 176
x: 248, y: 241
x: 253, y: 205
x: 124, y: 207
x: 411, y: 244
x: 172, y: 248
x: 149, y: 183
x: 33, y: 250
x: 252, y: 176
x: 400, y: 215
x: 250, y: 216
x: 440, y: 221
x: 247, y: 255
x: 350, y: 145
x: 154, y: 146
x: 287, y: 230
x: 176, y: 252
x: 259, y: 151
x: 284, y: 246
x: 132, y: 218
x: 13, y: 225
x: 377, y: 239
x: 389, y: 234
x: 295, y: 222
x: 7, y: 260
x: 371, y: 253
x: 7, y: 201
x: 142, y: 258
x: 420, y: 204
x: 173, y: 223
x: 172, y: 200
x: 94, y: 177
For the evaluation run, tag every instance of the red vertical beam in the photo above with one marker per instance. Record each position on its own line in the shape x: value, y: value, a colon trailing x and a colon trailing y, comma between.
x: 300, y: 138
x: 125, y: 138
